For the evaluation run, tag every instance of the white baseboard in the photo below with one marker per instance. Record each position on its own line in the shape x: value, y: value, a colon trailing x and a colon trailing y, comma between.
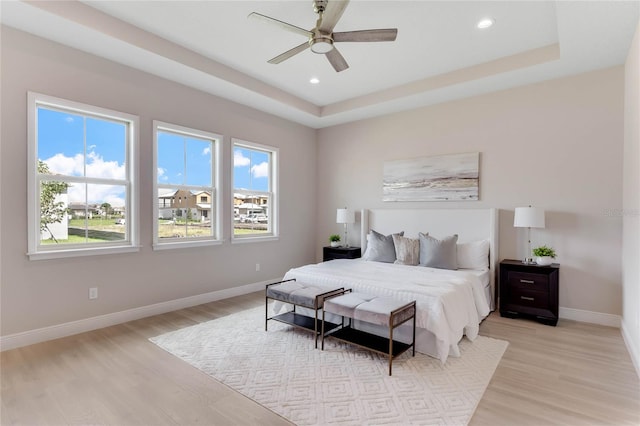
x: 632, y: 348
x: 610, y: 320
x: 30, y: 337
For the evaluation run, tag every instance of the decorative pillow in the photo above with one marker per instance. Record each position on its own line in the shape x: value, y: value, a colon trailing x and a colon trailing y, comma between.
x: 380, y: 248
x: 407, y: 250
x: 473, y: 255
x: 437, y: 253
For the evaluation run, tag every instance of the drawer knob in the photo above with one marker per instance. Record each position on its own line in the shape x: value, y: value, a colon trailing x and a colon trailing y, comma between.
x: 527, y: 281
x: 527, y: 298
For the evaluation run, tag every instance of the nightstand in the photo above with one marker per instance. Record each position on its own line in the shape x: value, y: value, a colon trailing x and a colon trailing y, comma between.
x: 529, y: 291
x: 330, y: 253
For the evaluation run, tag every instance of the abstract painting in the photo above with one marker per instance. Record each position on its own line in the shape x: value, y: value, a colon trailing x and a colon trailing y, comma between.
x: 452, y: 177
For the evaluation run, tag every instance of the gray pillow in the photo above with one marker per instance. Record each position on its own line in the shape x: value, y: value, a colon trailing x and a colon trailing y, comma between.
x: 380, y: 248
x: 407, y: 250
x: 437, y: 253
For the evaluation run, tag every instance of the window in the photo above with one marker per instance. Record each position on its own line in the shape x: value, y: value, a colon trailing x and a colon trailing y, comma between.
x: 254, y: 191
x: 186, y: 186
x: 82, y: 188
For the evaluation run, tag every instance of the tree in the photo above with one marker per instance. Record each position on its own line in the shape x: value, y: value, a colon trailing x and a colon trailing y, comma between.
x: 106, y: 209
x: 51, y: 211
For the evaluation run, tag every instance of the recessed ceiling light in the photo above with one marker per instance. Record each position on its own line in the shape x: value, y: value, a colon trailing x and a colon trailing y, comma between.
x: 314, y: 80
x: 485, y: 23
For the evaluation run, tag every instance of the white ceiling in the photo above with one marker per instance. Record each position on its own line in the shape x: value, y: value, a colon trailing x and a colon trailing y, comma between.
x: 439, y: 55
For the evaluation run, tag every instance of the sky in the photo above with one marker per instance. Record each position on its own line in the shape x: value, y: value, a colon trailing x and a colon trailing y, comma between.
x: 61, y: 144
x: 63, y: 139
x: 250, y: 169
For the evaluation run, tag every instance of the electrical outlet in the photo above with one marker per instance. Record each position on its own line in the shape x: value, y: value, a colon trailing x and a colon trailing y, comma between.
x: 257, y: 267
x: 93, y: 293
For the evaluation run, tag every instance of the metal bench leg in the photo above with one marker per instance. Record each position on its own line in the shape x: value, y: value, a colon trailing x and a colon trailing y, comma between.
x: 266, y: 312
x: 390, y: 343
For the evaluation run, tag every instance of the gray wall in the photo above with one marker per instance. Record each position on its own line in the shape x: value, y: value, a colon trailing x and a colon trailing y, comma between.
x: 631, y: 204
x: 42, y: 293
x: 555, y: 145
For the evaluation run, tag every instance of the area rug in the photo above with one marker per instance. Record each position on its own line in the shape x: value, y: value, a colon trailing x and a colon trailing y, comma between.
x: 281, y: 370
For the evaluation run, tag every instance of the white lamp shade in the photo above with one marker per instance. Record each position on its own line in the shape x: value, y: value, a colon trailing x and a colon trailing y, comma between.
x: 528, y: 217
x: 345, y: 216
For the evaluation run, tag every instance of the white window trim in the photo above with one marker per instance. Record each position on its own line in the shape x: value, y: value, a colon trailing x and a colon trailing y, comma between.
x: 274, y: 235
x: 35, y: 250
x: 174, y: 243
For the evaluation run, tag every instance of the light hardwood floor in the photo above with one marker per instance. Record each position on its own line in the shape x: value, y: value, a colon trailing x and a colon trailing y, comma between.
x: 572, y: 374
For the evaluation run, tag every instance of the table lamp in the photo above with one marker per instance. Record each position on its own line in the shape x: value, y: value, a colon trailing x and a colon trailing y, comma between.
x: 345, y: 216
x: 528, y: 217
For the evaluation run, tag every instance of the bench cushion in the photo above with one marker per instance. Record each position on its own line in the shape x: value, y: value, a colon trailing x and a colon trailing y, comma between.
x: 295, y: 292
x: 363, y: 307
x: 346, y: 304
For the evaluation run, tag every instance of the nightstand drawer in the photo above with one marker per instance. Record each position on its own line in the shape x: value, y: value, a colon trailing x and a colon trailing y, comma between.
x: 330, y: 253
x: 341, y: 255
x: 531, y: 299
x: 528, y: 281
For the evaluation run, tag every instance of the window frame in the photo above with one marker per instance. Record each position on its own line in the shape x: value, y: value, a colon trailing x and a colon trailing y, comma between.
x: 38, y: 251
x: 216, y: 179
x: 272, y: 193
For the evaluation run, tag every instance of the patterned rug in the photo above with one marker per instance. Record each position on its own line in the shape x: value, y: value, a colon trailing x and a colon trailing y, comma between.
x: 281, y: 370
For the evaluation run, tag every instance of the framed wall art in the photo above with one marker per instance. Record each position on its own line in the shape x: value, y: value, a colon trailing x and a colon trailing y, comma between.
x: 453, y: 177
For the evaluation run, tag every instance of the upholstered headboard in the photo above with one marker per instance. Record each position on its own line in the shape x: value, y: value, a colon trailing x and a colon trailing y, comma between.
x: 469, y: 224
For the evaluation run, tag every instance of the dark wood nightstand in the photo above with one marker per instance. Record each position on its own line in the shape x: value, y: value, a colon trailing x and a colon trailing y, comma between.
x: 330, y: 253
x: 529, y: 291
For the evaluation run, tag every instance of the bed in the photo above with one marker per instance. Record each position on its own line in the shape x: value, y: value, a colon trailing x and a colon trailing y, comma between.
x: 450, y: 303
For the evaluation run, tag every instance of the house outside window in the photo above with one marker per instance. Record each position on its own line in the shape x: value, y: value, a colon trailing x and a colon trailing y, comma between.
x: 186, y: 179
x: 82, y: 179
x: 254, y: 191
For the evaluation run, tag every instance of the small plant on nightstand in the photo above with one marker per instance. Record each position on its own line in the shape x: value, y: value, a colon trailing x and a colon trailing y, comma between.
x: 334, y: 240
x: 544, y: 255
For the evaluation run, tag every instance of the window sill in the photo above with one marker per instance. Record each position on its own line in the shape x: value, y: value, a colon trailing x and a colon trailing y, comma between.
x: 185, y: 244
x: 243, y: 240
x: 80, y: 252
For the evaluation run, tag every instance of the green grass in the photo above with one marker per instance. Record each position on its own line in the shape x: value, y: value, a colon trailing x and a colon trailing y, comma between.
x: 242, y: 231
x: 73, y: 239
x: 94, y: 222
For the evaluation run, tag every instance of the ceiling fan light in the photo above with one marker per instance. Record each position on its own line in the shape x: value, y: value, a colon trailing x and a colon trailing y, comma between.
x: 323, y: 45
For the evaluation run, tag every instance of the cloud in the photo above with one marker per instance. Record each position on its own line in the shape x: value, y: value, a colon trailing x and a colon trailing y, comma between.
x: 69, y: 119
x: 96, y: 167
x: 63, y: 165
x: 260, y: 170
x: 240, y: 160
x: 98, y: 194
x: 206, y: 151
x: 161, y: 174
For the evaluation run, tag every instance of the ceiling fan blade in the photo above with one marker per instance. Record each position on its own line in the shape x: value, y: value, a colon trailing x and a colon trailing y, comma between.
x: 281, y: 24
x: 388, y: 34
x: 336, y: 60
x: 333, y: 13
x: 289, y: 53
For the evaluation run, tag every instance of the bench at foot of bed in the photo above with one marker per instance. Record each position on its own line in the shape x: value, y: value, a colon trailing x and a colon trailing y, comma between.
x: 385, y: 311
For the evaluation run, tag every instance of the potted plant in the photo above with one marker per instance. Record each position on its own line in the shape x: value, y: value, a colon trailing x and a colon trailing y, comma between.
x: 544, y: 255
x: 334, y: 240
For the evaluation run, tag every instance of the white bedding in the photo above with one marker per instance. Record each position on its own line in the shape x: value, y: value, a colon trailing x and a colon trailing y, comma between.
x: 449, y: 304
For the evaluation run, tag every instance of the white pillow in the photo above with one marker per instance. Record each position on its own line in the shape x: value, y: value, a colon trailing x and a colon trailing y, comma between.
x: 474, y: 255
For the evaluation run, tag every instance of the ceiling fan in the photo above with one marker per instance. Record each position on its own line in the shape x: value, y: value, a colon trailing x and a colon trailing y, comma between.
x: 321, y: 38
